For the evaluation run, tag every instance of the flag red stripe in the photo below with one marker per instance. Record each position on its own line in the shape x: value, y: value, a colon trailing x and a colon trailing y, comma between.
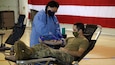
x: 76, y: 2
x: 105, y: 22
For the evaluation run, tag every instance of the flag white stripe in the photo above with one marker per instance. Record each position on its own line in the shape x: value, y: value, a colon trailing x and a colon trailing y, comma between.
x: 88, y: 11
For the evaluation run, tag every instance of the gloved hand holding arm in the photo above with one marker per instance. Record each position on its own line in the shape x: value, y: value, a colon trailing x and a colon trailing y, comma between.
x: 52, y: 40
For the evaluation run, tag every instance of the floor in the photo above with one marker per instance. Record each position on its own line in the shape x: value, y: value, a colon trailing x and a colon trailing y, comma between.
x: 102, y: 54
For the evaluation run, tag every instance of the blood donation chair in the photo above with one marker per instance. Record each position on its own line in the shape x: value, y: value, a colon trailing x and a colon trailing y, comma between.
x: 16, y: 34
x: 18, y: 30
x: 92, y: 33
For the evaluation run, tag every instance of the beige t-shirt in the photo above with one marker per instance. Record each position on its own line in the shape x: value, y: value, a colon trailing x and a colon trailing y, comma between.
x: 73, y: 43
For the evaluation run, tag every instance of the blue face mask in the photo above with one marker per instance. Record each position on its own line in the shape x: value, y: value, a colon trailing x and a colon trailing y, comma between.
x: 51, y: 13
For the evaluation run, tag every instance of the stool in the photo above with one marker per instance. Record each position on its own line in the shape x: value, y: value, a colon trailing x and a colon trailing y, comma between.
x: 1, y: 39
x: 2, y: 46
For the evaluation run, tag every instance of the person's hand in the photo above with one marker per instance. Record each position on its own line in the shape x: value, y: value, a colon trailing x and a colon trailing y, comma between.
x: 63, y: 41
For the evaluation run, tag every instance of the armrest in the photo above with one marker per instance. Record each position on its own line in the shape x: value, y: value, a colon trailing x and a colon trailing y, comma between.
x: 35, y: 60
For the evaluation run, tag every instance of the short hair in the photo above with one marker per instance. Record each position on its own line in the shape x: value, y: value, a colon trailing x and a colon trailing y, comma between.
x: 80, y: 26
x: 52, y: 3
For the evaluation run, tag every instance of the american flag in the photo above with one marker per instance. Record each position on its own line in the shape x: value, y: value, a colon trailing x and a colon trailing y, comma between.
x: 99, y: 12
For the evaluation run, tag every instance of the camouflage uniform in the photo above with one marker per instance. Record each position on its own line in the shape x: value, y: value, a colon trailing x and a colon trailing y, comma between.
x: 40, y: 51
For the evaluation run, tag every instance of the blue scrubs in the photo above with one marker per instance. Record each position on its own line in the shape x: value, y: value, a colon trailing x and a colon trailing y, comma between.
x: 44, y: 25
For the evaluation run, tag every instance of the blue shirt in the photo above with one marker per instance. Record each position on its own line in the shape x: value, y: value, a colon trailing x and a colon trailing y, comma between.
x: 44, y: 25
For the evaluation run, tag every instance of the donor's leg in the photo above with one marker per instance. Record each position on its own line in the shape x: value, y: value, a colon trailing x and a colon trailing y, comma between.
x: 22, y: 51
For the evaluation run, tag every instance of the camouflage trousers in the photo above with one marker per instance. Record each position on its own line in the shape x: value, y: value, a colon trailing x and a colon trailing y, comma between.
x: 42, y: 50
x: 39, y: 51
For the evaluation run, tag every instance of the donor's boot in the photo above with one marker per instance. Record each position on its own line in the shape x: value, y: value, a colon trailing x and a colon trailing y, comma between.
x: 22, y: 51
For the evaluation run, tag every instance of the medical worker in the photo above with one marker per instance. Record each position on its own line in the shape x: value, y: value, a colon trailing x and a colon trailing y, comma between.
x: 45, y: 25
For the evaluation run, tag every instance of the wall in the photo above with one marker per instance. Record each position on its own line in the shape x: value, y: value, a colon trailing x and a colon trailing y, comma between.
x: 10, y: 5
x: 23, y: 9
x: 91, y: 11
x: 18, y: 6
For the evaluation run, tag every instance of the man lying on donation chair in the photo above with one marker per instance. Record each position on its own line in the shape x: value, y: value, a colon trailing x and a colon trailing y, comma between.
x: 74, y: 48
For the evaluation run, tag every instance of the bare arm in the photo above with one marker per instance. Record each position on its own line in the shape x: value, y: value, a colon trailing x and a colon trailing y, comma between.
x: 53, y: 42
x: 74, y: 53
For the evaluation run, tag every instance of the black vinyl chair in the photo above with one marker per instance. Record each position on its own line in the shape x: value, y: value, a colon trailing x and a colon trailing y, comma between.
x: 16, y: 34
x: 18, y: 31
x: 89, y: 32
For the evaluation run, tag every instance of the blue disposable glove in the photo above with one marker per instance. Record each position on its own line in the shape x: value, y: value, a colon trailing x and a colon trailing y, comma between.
x: 48, y: 37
